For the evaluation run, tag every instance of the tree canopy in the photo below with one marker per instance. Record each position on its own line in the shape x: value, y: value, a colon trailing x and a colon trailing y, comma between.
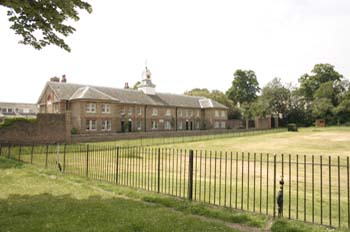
x: 43, y: 22
x: 244, y: 87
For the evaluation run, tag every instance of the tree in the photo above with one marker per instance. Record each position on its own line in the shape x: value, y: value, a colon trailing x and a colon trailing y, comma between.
x: 136, y: 85
x: 43, y: 22
x: 244, y: 87
x: 322, y: 73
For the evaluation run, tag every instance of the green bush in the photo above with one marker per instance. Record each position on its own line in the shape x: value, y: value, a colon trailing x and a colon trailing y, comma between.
x: 10, y: 121
x: 292, y: 127
x: 74, y: 131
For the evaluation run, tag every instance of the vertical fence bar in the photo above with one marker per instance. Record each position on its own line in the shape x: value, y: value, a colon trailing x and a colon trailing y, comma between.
x: 31, y: 154
x: 321, y: 193
x: 297, y: 205
x: 304, y: 188
x: 330, y: 190
x: 64, y: 157
x: 117, y: 166
x: 158, y: 172
x: 236, y: 193
x: 231, y: 180
x: 313, y: 190
x: 87, y: 161
x: 348, y: 192
x: 339, y: 191
x: 248, y: 180
x: 225, y: 178
x: 242, y: 178
x: 260, y: 186
x: 9, y: 151
x: 190, y: 176
x: 254, y: 182
x: 267, y: 184
x: 19, y: 152
x: 290, y: 185
x: 282, y: 177
x: 274, y: 186
x: 47, y: 154
x: 215, y: 177
x: 0, y: 149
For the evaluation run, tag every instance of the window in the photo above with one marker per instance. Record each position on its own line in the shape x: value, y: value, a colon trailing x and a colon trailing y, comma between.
x: 223, y: 114
x: 138, y: 125
x: 197, y: 124
x: 91, y: 125
x: 106, y: 125
x: 130, y: 111
x: 186, y: 113
x: 16, y: 110
x: 168, y: 112
x: 223, y: 124
x: 191, y: 113
x: 55, y: 108
x: 90, y: 108
x: 3, y: 110
x: 154, y: 124
x: 216, y: 125
x: 167, y: 125
x: 26, y: 110
x: 139, y: 111
x: 9, y: 110
x: 106, y: 109
x: 198, y: 113
x: 122, y: 111
x: 180, y: 125
x: 180, y: 113
x: 154, y: 111
x: 216, y: 113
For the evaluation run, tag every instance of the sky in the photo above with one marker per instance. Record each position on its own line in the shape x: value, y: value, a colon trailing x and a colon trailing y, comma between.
x: 187, y: 44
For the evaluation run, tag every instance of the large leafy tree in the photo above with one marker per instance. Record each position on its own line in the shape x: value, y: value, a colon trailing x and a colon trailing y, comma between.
x: 44, y: 22
x: 244, y: 87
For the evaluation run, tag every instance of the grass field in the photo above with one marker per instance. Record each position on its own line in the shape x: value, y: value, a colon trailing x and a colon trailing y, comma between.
x: 231, y: 172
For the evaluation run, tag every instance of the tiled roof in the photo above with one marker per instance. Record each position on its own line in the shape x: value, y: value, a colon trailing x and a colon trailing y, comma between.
x: 68, y: 91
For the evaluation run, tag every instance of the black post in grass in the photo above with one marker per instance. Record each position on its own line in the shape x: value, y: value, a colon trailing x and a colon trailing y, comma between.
x: 64, y: 158
x: 31, y: 154
x: 47, y: 155
x: 274, y: 186
x: 117, y: 166
x: 87, y: 161
x: 158, y: 172
x: 9, y: 151
x: 190, y: 176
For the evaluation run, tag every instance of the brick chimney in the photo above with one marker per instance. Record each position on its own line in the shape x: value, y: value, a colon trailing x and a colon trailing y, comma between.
x: 64, y: 79
x: 55, y: 79
x: 126, y: 85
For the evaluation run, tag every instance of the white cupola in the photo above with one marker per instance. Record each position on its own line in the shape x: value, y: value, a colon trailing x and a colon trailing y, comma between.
x: 146, y: 85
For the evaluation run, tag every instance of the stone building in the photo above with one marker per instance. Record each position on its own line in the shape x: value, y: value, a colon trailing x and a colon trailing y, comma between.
x: 96, y: 109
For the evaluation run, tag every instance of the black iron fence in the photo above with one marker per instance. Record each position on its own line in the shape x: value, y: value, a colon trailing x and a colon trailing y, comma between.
x: 316, y: 188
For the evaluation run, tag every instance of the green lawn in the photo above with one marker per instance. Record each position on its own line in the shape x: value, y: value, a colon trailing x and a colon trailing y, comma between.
x: 37, y: 200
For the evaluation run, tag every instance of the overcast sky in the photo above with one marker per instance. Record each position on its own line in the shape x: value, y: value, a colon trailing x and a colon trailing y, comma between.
x: 187, y: 44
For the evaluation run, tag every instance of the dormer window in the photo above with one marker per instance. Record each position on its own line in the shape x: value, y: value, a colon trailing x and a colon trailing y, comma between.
x: 154, y: 112
x: 168, y: 112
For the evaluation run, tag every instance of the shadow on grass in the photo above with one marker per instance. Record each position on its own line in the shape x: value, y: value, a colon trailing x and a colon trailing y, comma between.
x: 8, y: 163
x: 47, y: 212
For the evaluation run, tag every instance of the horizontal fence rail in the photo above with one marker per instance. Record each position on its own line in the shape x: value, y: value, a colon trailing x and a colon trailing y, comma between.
x: 315, y: 188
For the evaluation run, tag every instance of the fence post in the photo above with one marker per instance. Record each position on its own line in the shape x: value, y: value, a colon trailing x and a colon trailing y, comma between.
x: 9, y: 151
x: 274, y: 186
x: 116, y: 166
x: 19, y: 152
x: 31, y: 154
x: 0, y: 149
x: 64, y: 157
x: 87, y: 160
x: 190, y: 176
x: 158, y: 172
x: 47, y: 154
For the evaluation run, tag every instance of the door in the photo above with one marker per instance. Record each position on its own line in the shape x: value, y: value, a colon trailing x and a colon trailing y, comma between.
x: 129, y: 126
x: 191, y: 125
x: 186, y: 125
x: 122, y: 126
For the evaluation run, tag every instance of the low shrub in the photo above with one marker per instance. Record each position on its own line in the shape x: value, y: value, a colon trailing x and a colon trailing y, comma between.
x: 292, y: 127
x: 10, y: 121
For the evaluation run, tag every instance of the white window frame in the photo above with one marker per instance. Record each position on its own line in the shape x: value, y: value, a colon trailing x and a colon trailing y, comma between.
x: 91, y: 125
x: 139, y: 111
x: 167, y: 125
x: 106, y: 125
x: 26, y: 111
x: 154, y: 111
x: 180, y: 125
x: 55, y: 108
x: 90, y: 108
x: 186, y: 113
x: 9, y: 110
x: 223, y: 124
x: 216, y: 124
x: 130, y: 111
x: 216, y: 113
x: 106, y: 109
x: 154, y: 124
x: 197, y: 124
x: 180, y: 113
x: 191, y: 113
x: 168, y: 112
x: 139, y: 125
x: 198, y: 113
x: 223, y: 114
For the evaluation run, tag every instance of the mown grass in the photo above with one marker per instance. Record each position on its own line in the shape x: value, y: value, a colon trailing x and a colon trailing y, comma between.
x: 44, y: 200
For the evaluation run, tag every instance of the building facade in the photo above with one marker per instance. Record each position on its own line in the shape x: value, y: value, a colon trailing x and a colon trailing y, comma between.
x: 17, y: 110
x: 97, y: 109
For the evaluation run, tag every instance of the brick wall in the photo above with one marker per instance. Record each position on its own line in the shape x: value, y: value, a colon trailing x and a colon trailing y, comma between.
x: 49, y: 128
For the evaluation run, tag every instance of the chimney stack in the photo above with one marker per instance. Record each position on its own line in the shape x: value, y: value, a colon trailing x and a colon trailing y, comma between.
x: 55, y: 79
x: 64, y: 79
x: 126, y: 85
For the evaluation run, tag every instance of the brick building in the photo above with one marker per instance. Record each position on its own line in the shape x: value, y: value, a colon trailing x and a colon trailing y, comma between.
x: 17, y: 110
x: 95, y: 109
